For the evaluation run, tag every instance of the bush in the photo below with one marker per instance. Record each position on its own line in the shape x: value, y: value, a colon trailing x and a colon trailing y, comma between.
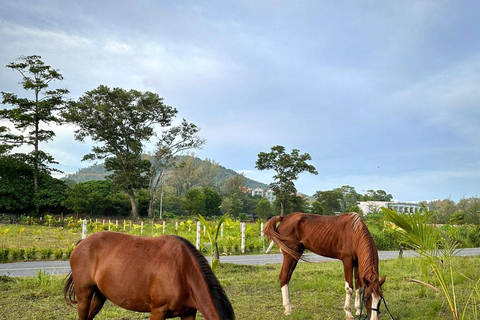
x: 46, y: 254
x: 4, y: 253
x: 58, y: 254
x: 31, y: 254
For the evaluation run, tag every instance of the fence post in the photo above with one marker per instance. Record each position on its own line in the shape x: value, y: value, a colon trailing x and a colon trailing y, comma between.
x: 176, y: 225
x: 163, y: 231
x: 84, y: 229
x: 141, y: 228
x: 197, y: 243
x: 262, y: 236
x: 116, y: 225
x: 108, y: 224
x: 242, y: 226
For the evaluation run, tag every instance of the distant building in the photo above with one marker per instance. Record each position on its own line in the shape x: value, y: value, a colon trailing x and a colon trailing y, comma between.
x: 403, y: 207
x: 270, y: 195
x: 258, y: 192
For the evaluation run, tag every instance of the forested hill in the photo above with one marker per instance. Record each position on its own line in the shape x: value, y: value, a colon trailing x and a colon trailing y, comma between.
x: 222, y: 174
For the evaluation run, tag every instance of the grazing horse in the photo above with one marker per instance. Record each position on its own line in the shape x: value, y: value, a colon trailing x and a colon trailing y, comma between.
x: 343, y: 237
x: 165, y: 276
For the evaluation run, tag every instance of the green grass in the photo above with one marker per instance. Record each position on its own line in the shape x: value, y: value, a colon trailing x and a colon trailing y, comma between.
x: 317, y: 291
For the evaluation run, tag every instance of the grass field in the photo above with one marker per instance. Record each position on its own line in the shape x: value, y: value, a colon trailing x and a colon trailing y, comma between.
x: 317, y: 291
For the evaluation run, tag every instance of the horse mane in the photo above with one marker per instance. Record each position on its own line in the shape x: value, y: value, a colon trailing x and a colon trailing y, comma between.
x: 222, y: 304
x: 366, y: 248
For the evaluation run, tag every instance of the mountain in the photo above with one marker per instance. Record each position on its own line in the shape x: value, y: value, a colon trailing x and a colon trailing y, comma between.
x: 98, y: 172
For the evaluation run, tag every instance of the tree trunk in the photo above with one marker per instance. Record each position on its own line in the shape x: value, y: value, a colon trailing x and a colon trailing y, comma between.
x: 134, y: 205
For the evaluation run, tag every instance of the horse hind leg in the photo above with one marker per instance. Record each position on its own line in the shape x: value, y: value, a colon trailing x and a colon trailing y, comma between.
x: 288, y: 266
x: 96, y: 303
x: 90, y: 300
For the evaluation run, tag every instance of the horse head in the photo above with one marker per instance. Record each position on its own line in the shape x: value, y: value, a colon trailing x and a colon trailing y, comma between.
x: 373, y: 295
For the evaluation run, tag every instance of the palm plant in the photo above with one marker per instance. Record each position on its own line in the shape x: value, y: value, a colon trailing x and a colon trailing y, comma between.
x: 212, y: 234
x: 436, y: 250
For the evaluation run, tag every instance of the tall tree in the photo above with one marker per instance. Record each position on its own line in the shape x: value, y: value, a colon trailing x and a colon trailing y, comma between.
x: 28, y: 114
x: 172, y: 142
x: 287, y: 168
x: 121, y: 122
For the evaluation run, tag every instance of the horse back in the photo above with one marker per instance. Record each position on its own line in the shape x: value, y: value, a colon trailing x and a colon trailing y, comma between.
x: 135, y: 272
x: 329, y: 236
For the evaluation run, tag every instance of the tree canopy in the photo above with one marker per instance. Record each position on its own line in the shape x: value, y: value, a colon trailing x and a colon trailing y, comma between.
x: 28, y: 114
x: 287, y: 167
x: 120, y: 122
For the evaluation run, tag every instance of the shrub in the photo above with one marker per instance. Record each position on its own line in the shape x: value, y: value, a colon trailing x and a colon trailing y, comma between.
x: 46, y: 253
x: 58, y: 254
x: 31, y: 254
x: 4, y: 253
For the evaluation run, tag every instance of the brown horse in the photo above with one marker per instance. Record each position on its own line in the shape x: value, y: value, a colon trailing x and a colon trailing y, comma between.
x: 165, y: 276
x: 343, y: 237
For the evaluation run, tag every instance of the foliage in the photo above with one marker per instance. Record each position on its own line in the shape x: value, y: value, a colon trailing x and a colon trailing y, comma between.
x: 263, y: 209
x: 287, y: 167
x: 28, y: 115
x: 17, y: 189
x: 212, y: 233
x: 232, y: 205
x: 194, y: 202
x: 16, y: 185
x: 173, y: 141
x: 120, y: 121
x: 437, y: 251
x: 329, y: 201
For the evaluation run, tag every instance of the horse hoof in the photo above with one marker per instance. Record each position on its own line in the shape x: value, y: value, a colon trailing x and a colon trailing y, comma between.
x: 288, y: 312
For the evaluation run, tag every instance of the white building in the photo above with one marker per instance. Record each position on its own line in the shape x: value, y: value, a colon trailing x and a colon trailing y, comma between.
x: 258, y: 192
x: 403, y: 207
x: 270, y: 195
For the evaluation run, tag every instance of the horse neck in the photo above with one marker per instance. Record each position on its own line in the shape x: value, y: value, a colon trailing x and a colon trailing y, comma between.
x: 367, y: 254
x: 209, y: 296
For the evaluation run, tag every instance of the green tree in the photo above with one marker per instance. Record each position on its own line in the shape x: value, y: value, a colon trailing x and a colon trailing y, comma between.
x: 379, y: 195
x: 232, y: 205
x: 121, y: 122
x: 330, y: 201
x: 317, y: 207
x: 51, y: 194
x: 16, y: 185
x: 27, y: 115
x: 470, y: 207
x: 233, y: 184
x: 194, y: 202
x: 263, y: 209
x: 212, y: 202
x: 172, y: 142
x: 287, y: 167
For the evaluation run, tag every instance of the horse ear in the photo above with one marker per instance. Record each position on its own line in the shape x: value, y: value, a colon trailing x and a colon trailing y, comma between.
x: 382, y: 280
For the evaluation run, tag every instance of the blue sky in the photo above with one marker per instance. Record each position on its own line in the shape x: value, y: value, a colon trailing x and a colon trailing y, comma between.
x: 382, y: 94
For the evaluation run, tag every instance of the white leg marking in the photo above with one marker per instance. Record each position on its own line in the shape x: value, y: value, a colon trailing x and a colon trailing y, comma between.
x: 348, y: 296
x: 375, y: 301
x: 286, y: 300
x: 357, y: 302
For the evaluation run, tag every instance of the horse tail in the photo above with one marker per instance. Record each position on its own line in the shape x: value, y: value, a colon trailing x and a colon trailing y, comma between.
x: 219, y: 297
x: 69, y: 289
x: 270, y: 231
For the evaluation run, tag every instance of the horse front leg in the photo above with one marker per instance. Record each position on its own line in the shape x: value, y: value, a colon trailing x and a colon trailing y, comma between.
x: 357, y: 291
x: 288, y: 266
x: 348, y: 270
